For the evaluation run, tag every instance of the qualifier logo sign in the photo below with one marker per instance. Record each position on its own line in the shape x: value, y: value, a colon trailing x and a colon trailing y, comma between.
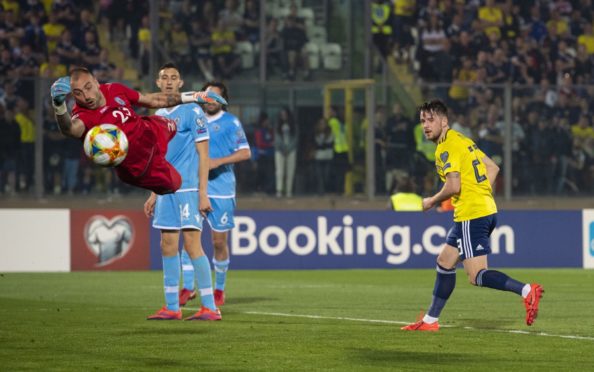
x: 109, y: 239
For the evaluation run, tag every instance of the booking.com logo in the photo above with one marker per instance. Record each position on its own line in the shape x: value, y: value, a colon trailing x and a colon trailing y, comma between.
x: 592, y: 239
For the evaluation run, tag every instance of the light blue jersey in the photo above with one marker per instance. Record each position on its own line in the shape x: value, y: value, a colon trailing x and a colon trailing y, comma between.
x: 226, y: 137
x: 181, y: 151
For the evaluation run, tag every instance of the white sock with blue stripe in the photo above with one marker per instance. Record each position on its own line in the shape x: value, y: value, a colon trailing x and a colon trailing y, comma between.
x: 220, y: 268
x: 187, y: 271
x: 171, y: 281
x: 204, y: 279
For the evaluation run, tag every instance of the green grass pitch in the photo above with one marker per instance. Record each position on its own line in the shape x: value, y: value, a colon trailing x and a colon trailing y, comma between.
x: 294, y: 320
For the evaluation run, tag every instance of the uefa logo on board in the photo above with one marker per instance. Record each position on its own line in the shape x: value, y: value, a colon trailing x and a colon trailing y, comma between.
x: 108, y: 239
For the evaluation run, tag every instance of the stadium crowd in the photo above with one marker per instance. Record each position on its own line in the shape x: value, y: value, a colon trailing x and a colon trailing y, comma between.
x: 44, y: 38
x: 464, y: 52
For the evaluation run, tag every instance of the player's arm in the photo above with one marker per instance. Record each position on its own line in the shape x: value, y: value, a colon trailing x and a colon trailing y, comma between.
x: 238, y: 156
x: 68, y: 126
x: 149, y: 205
x: 450, y: 188
x: 492, y: 169
x: 203, y: 168
x: 161, y: 99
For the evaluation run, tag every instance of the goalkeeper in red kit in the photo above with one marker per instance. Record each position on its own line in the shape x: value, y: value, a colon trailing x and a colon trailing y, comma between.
x: 145, y: 165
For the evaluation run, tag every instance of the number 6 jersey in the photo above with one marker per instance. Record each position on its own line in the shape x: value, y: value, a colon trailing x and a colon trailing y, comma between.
x: 457, y: 153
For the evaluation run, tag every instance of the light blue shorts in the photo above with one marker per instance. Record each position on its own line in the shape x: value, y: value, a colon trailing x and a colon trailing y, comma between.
x: 177, y: 211
x: 223, y: 212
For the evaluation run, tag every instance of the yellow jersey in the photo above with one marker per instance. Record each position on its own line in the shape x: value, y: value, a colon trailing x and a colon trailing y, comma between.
x: 491, y: 14
x: 587, y: 41
x: 457, y: 153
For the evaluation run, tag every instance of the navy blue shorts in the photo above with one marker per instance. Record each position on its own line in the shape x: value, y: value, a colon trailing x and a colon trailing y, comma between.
x: 473, y: 237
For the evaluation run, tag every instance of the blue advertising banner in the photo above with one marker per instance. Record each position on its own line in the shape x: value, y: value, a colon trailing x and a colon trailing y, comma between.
x: 385, y: 239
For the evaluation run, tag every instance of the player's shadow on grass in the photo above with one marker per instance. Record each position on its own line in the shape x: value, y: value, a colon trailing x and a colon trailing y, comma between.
x: 369, y: 356
x: 486, y: 324
x: 248, y: 300
x: 160, y: 331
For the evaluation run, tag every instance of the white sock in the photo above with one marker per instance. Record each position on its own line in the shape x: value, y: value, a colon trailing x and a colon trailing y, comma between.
x: 526, y: 290
x: 429, y: 319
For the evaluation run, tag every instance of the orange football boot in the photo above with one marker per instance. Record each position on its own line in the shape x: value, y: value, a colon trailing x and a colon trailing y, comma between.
x: 219, y: 297
x: 206, y: 314
x: 166, y: 314
x: 531, y: 303
x: 186, y: 295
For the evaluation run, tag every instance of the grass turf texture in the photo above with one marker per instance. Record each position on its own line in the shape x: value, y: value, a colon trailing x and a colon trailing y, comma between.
x: 96, y: 321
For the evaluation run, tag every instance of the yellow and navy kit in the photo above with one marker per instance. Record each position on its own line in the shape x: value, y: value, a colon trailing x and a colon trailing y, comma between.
x: 457, y: 153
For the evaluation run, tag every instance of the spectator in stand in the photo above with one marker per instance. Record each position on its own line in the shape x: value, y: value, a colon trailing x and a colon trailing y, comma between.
x: 285, y: 152
x: 53, y: 145
x: 208, y: 13
x: 587, y: 38
x: 294, y: 39
x: 10, y: 143
x: 490, y: 137
x: 27, y: 63
x: 341, y: 164
x: 32, y: 8
x: 90, y: 51
x: 53, y: 68
x: 188, y: 12
x: 180, y: 46
x: 264, y: 154
x: 274, y: 46
x: 231, y: 16
x: 400, y: 143
x: 490, y: 17
x: 11, y: 27
x: 402, y: 23
x: 35, y: 36
x: 583, y: 66
x: 69, y: 53
x: 27, y: 147
x: 510, y: 26
x: 323, y: 155
x: 251, y: 22
x: 85, y: 25
x: 144, y: 40
x: 432, y: 40
x: 53, y: 28
x: 562, y: 152
x: 223, y: 46
x: 7, y: 63
x: 66, y: 12
x: 106, y: 71
x: 200, y: 46
x: 459, y: 92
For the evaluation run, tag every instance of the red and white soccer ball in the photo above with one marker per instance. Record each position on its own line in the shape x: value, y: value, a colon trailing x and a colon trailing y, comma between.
x: 106, y: 145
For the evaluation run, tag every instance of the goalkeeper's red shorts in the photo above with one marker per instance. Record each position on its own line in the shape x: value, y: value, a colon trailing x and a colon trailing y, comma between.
x: 158, y: 175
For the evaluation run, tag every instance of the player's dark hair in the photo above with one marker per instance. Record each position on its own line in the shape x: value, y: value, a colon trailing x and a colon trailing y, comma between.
x: 169, y: 65
x: 435, y: 106
x: 76, y: 71
x: 217, y: 84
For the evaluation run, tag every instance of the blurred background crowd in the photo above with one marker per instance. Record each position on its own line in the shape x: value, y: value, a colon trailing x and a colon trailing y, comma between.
x: 517, y: 77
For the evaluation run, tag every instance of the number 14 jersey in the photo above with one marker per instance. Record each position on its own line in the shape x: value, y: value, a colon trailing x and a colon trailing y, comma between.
x: 457, y: 153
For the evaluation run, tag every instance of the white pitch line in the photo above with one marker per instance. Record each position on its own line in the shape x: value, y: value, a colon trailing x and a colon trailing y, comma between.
x: 513, y: 331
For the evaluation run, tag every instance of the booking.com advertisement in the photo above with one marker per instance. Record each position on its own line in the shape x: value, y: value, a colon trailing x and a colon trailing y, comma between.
x: 588, y: 239
x: 385, y: 239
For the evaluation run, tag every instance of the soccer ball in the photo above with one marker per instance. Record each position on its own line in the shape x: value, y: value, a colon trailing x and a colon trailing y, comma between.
x: 106, y: 145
